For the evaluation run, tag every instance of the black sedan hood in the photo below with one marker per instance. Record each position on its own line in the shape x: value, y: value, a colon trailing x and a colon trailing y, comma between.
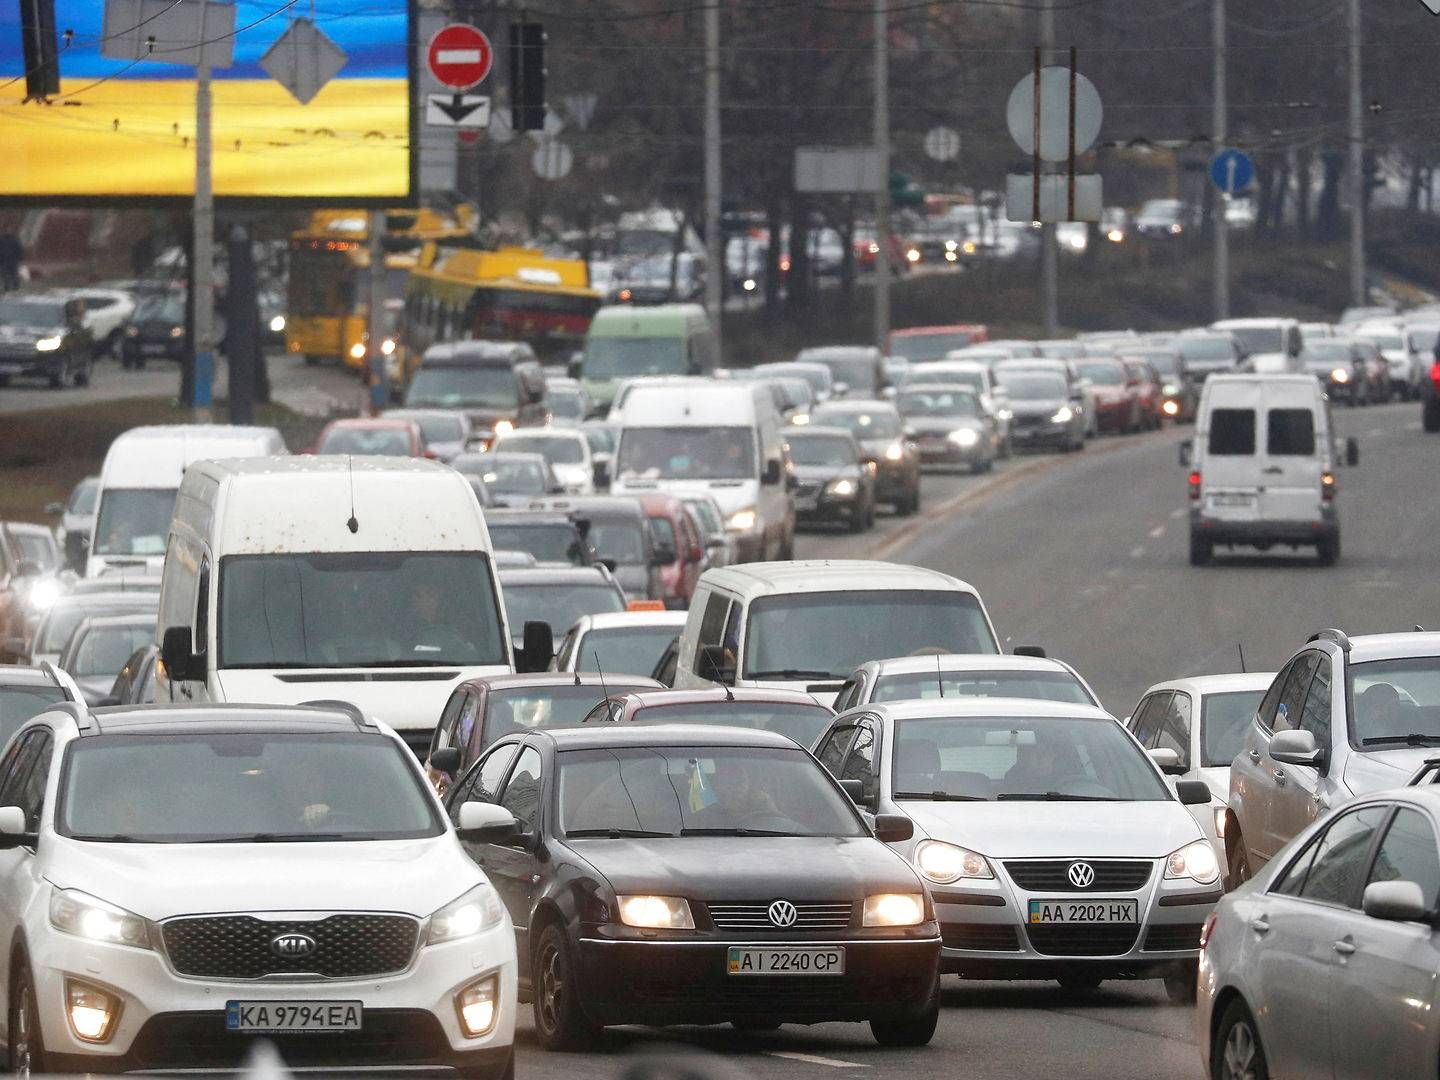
x: 756, y: 868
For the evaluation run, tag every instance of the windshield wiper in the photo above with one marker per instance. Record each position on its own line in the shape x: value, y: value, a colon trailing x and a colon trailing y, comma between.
x: 792, y: 673
x: 940, y: 796
x: 1053, y: 796
x: 282, y: 838
x: 1413, y: 739
x: 614, y: 834
x: 737, y: 832
x: 110, y: 838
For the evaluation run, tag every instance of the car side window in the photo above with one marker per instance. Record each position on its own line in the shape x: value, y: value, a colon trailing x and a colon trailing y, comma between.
x: 834, y: 746
x: 445, y: 730
x: 1290, y: 707
x: 1315, y: 716
x: 466, y: 726
x: 1174, y: 731
x: 712, y: 625
x: 731, y: 640
x: 861, y: 764
x: 522, y: 791
x: 202, y: 607
x: 567, y: 646
x: 1408, y: 853
x: 1147, y: 720
x: 1293, y: 879
x: 848, y: 695
x: 482, y: 783
x: 14, y: 767
x: 1342, y: 856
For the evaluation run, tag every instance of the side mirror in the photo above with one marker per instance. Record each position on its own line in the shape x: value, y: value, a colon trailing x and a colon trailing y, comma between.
x: 54, y: 509
x: 486, y: 823
x: 178, y: 654
x: 855, y: 789
x: 538, y: 648
x: 893, y: 828
x: 1187, y: 451
x: 601, y: 473
x: 713, y: 665
x: 1192, y: 792
x: 1295, y: 748
x: 1352, y: 452
x: 773, y: 472
x: 609, y: 564
x: 1396, y: 901
x: 1168, y: 760
x: 1037, y: 651
x: 12, y: 828
x: 839, y: 389
x: 446, y: 760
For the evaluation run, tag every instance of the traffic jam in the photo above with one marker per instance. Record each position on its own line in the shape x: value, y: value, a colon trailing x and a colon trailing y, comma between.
x: 557, y: 642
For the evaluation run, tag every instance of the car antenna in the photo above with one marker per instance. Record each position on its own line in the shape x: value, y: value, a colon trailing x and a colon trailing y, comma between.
x: 1419, y: 629
x: 939, y: 678
x: 1241, y: 650
x: 353, y: 525
x: 600, y: 671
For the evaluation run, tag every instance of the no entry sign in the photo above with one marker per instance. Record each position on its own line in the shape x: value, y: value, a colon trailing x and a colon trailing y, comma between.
x: 459, y: 56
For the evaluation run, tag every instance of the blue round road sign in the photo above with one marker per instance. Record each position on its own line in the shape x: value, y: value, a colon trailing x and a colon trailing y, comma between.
x: 1232, y: 171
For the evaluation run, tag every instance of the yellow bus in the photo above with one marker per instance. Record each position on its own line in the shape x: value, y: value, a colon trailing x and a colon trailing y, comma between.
x: 327, y: 300
x: 508, y: 294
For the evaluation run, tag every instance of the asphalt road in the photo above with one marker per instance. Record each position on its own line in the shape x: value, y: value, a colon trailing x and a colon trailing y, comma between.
x: 1087, y: 555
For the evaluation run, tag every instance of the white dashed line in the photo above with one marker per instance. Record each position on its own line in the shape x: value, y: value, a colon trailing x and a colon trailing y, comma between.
x: 815, y: 1059
x: 1157, y: 532
x: 1137, y: 551
x: 1177, y: 513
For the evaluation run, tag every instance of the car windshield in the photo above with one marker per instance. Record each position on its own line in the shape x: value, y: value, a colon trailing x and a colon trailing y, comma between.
x: 1164, y: 363
x: 440, y: 429
x: 62, y: 619
x: 558, y: 605
x: 1034, y: 387
x: 19, y: 703
x: 32, y: 312
x: 877, y: 423
x: 700, y: 790
x: 1395, y: 699
x: 795, y: 720
x: 941, y: 683
x: 85, y: 496
x: 818, y: 378
x: 556, y: 449
x: 827, y: 635
x: 1103, y: 373
x: 1259, y: 339
x: 635, y: 649
x: 195, y: 788
x: 551, y: 705
x: 161, y: 309
x: 565, y: 403
x: 939, y: 403
x: 1010, y: 757
x: 920, y: 347
x: 683, y: 453
x: 822, y: 450
x: 509, y: 476
x: 626, y: 357
x: 601, y: 439
x: 366, y: 440
x: 1326, y: 354
x: 856, y: 372
x: 622, y: 542
x: 482, y: 386
x: 33, y: 547
x: 555, y: 542
x: 1224, y: 719
x: 946, y: 377
x: 104, y: 650
x: 1207, y: 348
x: 134, y: 521
x: 1391, y: 342
x: 358, y: 609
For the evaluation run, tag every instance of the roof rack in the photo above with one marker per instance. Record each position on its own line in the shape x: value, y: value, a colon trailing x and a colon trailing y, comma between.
x: 1331, y: 634
x: 48, y: 667
x: 80, y: 713
x: 349, y: 708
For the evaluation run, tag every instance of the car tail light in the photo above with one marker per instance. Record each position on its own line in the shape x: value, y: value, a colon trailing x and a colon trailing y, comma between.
x: 1435, y: 374
x: 1207, y: 930
x: 1195, y: 486
x: 1327, y: 486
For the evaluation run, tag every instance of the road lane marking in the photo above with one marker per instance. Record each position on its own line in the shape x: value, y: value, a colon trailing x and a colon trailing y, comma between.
x: 1137, y: 551
x: 815, y: 1059
x: 1157, y: 532
x: 1177, y: 513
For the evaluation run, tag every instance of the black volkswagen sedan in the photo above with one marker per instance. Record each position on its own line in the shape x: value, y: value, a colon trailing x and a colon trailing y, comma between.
x: 683, y: 875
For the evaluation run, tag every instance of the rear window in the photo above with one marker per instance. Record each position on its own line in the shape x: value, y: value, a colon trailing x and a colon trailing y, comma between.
x: 1290, y: 433
x: 1232, y: 432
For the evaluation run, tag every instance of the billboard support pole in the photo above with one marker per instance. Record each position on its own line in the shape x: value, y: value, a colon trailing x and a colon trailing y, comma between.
x: 882, y: 195
x: 204, y: 249
x: 375, y: 315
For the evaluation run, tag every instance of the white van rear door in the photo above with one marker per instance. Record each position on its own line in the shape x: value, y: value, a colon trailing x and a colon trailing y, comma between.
x: 1230, y: 464
x: 1291, y: 438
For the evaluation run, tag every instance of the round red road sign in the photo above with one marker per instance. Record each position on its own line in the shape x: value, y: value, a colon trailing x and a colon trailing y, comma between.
x: 459, y: 56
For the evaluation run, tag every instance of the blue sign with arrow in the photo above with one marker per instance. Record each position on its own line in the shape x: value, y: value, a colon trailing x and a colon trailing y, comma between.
x: 1232, y: 171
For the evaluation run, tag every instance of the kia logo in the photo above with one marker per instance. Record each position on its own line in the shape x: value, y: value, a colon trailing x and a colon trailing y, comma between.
x: 782, y: 913
x: 1081, y: 875
x: 292, y: 946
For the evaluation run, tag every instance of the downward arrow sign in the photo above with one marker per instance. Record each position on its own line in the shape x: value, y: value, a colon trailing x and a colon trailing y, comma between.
x: 458, y: 108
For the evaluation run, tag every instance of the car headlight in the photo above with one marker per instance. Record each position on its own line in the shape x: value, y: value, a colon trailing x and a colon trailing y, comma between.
x: 177, y: 332
x: 964, y: 437
x: 1171, y: 408
x: 1063, y: 415
x: 841, y: 487
x: 895, y: 451
x: 503, y: 427
x: 357, y: 351
x: 1005, y: 414
x: 1195, y: 861
x: 473, y: 913
x: 1340, y: 375
x: 800, y: 419
x: 44, y: 593
x: 894, y: 909
x: 48, y: 344
x: 1170, y: 388
x: 132, y: 331
x: 656, y: 912
x: 742, y: 520
x: 277, y: 324
x: 945, y: 863
x: 1177, y: 228
x: 85, y: 916
x: 387, y: 346
x: 1115, y: 236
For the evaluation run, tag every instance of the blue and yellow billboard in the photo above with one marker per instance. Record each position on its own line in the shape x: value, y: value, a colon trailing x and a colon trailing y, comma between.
x: 113, y: 130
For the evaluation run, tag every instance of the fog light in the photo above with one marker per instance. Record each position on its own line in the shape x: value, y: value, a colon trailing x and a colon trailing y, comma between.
x: 92, y: 1011
x: 476, y: 1007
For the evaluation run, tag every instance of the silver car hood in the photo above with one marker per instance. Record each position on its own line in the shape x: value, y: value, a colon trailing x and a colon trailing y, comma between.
x: 1040, y: 830
x: 1376, y: 770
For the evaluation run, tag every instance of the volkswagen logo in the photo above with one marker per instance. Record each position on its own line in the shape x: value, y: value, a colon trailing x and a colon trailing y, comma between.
x: 782, y: 913
x: 1081, y: 875
x: 292, y: 946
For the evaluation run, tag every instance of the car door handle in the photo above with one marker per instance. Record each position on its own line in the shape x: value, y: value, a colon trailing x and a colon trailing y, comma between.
x: 1280, y: 777
x: 1260, y: 924
x: 1255, y: 755
x: 1345, y: 946
x: 1273, y: 470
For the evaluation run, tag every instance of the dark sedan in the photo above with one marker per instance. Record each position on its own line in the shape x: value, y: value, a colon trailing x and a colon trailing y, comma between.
x: 793, y: 713
x: 156, y: 331
x: 43, y: 336
x: 1044, y: 412
x: 833, y: 481
x: 876, y: 424
x: 675, y: 875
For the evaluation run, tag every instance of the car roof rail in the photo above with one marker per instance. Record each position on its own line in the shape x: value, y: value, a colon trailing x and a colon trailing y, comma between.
x: 349, y: 708
x: 48, y: 667
x: 78, y: 711
x: 1331, y: 634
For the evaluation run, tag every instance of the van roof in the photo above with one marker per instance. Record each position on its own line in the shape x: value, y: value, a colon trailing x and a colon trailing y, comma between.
x: 701, y: 403
x: 623, y: 320
x: 829, y: 575
x: 157, y: 456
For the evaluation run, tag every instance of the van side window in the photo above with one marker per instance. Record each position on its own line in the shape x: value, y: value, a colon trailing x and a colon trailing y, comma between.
x: 202, y: 608
x: 712, y: 625
x: 1290, y: 433
x: 1232, y: 432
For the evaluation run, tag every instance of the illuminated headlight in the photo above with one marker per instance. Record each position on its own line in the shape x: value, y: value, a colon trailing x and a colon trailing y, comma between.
x: 1340, y: 375
x: 800, y: 419
x: 951, y: 256
x: 1177, y: 229
x: 357, y: 351
x: 894, y: 909
x: 48, y: 344
x: 874, y: 249
x: 1063, y: 415
x: 945, y: 863
x: 656, y: 912
x: 474, y: 913
x: 277, y: 324
x: 1115, y: 236
x: 742, y: 520
x: 1195, y: 861
x: 476, y: 1006
x: 965, y: 437
x: 841, y: 488
x: 88, y: 917
x: 1220, y: 822
x: 91, y: 1011
x: 1077, y: 243
x: 895, y: 451
x: 44, y: 593
x: 132, y: 331
x: 951, y: 245
x: 1005, y: 414
x: 1170, y: 388
x: 387, y: 346
x: 1171, y: 408
x: 177, y: 332
x: 749, y: 284
x: 913, y: 255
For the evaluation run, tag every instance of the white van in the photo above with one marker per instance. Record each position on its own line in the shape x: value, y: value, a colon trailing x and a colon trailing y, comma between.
x: 367, y: 580
x: 139, y: 480
x: 807, y: 625
x: 1262, y: 466
x: 712, y: 437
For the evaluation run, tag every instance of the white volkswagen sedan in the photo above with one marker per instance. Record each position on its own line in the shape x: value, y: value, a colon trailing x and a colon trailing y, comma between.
x: 180, y: 881
x: 1051, y: 843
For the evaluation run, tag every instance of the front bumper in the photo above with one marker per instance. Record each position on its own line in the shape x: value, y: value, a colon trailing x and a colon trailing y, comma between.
x: 27, y: 362
x: 169, y: 1021
x: 943, y: 451
x: 813, y: 507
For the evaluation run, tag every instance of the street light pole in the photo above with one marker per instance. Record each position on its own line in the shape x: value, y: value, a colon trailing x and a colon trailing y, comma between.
x: 203, y: 251
x: 715, y: 268
x: 1049, y: 243
x: 882, y: 196
x: 1359, y: 294
x: 1219, y: 130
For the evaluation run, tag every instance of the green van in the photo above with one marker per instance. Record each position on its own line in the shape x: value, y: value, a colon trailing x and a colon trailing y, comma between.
x: 625, y: 342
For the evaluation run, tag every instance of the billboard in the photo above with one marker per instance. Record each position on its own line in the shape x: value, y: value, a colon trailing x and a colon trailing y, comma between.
x: 115, y: 129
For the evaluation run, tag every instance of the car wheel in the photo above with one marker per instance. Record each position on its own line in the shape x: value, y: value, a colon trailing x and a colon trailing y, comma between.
x: 857, y: 519
x: 1080, y: 981
x: 1327, y: 551
x: 1238, y: 863
x: 560, y: 1022
x: 1180, y: 984
x: 917, y: 1029
x: 1200, y: 550
x: 27, y: 1048
x: 1235, y: 1050
x: 1431, y: 415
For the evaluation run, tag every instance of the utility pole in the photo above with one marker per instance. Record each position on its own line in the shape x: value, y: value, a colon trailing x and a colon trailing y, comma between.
x: 1359, y: 294
x: 375, y: 315
x: 882, y: 197
x: 203, y: 248
x: 1049, y: 246
x: 715, y: 269
x: 1219, y: 134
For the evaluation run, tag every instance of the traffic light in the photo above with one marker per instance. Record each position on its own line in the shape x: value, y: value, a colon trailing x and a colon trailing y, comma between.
x: 527, y: 76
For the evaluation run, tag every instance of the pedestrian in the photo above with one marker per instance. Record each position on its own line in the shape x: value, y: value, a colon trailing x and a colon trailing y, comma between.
x: 12, y: 253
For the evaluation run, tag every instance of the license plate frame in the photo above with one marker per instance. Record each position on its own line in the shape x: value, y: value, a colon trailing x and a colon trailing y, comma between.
x: 1232, y: 500
x: 1087, y: 912
x: 790, y: 960
x: 255, y: 1016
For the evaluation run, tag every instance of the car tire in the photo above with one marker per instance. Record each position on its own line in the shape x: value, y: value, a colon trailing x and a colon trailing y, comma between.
x: 1235, y: 1049
x: 27, y: 1046
x: 1430, y: 415
x: 1201, y: 550
x: 560, y: 1020
x: 916, y: 1029
x: 1237, y: 863
x: 1180, y: 984
x: 1327, y: 551
x: 857, y: 519
x: 1080, y: 981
